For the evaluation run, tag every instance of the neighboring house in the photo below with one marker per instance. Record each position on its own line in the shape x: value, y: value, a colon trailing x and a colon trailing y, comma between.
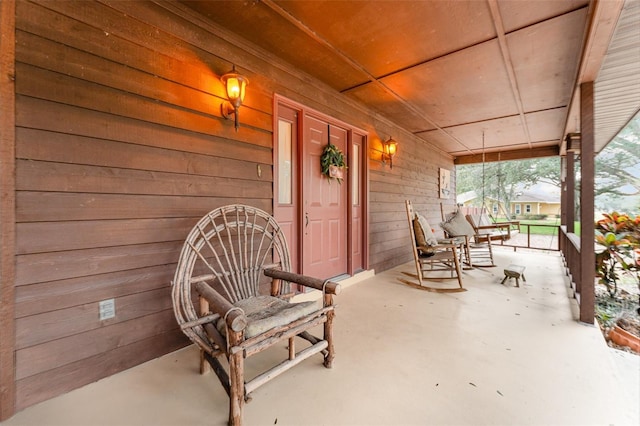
x: 540, y: 199
x: 473, y: 202
x: 467, y: 199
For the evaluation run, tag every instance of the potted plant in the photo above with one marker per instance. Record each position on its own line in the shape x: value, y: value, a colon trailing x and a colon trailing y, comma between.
x: 332, y: 162
x: 617, y: 259
x: 617, y: 247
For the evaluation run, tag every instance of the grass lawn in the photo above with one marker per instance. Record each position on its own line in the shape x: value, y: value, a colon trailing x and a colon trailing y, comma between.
x: 540, y: 227
x: 543, y: 227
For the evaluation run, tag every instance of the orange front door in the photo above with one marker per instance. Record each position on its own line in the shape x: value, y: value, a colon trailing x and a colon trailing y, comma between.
x: 324, y: 204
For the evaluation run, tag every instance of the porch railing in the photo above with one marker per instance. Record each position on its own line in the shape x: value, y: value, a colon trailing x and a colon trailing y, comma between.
x: 526, y: 239
x: 570, y: 248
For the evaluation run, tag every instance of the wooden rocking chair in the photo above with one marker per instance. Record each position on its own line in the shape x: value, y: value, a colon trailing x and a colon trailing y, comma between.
x: 477, y: 250
x: 230, y: 255
x: 442, y: 256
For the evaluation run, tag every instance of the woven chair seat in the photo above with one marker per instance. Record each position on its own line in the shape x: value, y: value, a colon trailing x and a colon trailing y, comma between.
x: 266, y: 312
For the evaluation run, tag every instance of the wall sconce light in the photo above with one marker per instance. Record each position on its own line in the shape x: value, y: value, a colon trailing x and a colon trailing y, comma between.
x: 389, y: 149
x: 236, y: 85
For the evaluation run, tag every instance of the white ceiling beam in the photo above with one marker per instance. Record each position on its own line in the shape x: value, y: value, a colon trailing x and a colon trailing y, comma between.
x: 508, y: 64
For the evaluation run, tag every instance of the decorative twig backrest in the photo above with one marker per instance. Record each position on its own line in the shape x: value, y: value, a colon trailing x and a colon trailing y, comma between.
x: 228, y: 249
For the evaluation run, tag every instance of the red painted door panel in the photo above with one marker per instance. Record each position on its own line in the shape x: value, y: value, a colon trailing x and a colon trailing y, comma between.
x: 286, y: 193
x: 324, y: 204
x: 356, y: 213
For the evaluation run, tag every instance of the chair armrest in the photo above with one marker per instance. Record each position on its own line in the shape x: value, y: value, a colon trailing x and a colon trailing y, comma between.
x: 458, y: 239
x: 330, y: 287
x: 234, y: 317
x: 494, y: 225
x: 441, y: 247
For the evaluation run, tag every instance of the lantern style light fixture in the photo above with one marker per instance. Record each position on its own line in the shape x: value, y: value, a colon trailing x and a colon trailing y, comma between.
x: 389, y: 148
x: 235, y: 85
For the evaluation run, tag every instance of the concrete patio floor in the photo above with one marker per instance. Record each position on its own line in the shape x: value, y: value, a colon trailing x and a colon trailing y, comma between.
x: 496, y: 354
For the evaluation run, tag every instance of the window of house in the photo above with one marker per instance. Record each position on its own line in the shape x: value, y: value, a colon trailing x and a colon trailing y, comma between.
x: 518, y: 209
x: 494, y: 209
x: 285, y: 178
x: 355, y: 176
x: 527, y: 208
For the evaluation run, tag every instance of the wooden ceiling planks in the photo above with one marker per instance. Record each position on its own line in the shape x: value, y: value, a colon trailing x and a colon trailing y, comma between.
x: 547, y: 124
x: 264, y: 27
x: 520, y: 14
x: 459, y: 88
x: 418, y: 68
x: 386, y: 37
x: 379, y: 99
x: 545, y: 58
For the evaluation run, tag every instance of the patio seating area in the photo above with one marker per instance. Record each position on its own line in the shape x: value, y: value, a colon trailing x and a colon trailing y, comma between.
x: 496, y: 354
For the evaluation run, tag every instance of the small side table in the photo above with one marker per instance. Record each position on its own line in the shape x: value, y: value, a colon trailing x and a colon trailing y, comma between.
x: 514, y: 271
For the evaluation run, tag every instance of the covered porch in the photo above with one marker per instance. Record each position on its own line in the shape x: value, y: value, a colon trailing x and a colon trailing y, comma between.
x: 115, y: 141
x: 495, y: 354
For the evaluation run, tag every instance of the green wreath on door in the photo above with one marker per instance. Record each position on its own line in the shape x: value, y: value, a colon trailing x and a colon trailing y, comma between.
x: 332, y: 162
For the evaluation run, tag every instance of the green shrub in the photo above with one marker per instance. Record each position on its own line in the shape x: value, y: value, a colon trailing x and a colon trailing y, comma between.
x: 535, y: 216
x: 617, y: 249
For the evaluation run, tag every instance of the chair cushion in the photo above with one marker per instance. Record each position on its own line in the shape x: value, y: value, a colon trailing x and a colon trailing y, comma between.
x: 424, y: 234
x: 457, y: 225
x: 267, y: 312
x: 480, y: 219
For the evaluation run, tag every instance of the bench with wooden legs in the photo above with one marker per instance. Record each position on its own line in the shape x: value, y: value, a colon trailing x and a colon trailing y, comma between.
x: 514, y: 271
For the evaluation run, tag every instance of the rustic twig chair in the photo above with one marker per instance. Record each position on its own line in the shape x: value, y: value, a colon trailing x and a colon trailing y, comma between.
x: 438, y: 256
x: 230, y: 256
x: 477, y: 248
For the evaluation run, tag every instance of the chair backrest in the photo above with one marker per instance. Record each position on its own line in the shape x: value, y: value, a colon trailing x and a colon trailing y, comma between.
x: 481, y: 219
x: 228, y: 249
x: 412, y: 233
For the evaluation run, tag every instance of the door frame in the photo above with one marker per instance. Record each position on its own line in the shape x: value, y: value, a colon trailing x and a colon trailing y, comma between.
x: 352, y: 132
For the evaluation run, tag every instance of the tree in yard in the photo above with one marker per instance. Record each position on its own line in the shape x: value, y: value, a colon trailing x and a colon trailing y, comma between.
x: 502, y: 180
x: 617, y: 172
x: 618, y: 165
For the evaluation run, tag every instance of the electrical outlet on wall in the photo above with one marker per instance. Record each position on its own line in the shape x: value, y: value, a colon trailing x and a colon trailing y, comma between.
x: 107, y: 309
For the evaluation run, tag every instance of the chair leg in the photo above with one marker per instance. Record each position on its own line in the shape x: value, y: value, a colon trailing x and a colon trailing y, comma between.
x: 419, y: 271
x: 205, y: 367
x: 204, y: 310
x: 467, y: 251
x: 236, y: 391
x: 457, y: 265
x: 328, y: 334
x: 236, y: 381
x: 491, y: 253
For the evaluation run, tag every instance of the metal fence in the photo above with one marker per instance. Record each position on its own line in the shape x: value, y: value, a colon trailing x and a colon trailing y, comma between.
x: 549, y: 240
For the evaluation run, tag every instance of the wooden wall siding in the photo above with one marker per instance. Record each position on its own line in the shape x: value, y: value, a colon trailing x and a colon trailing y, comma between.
x: 414, y: 176
x: 7, y: 207
x: 120, y: 149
